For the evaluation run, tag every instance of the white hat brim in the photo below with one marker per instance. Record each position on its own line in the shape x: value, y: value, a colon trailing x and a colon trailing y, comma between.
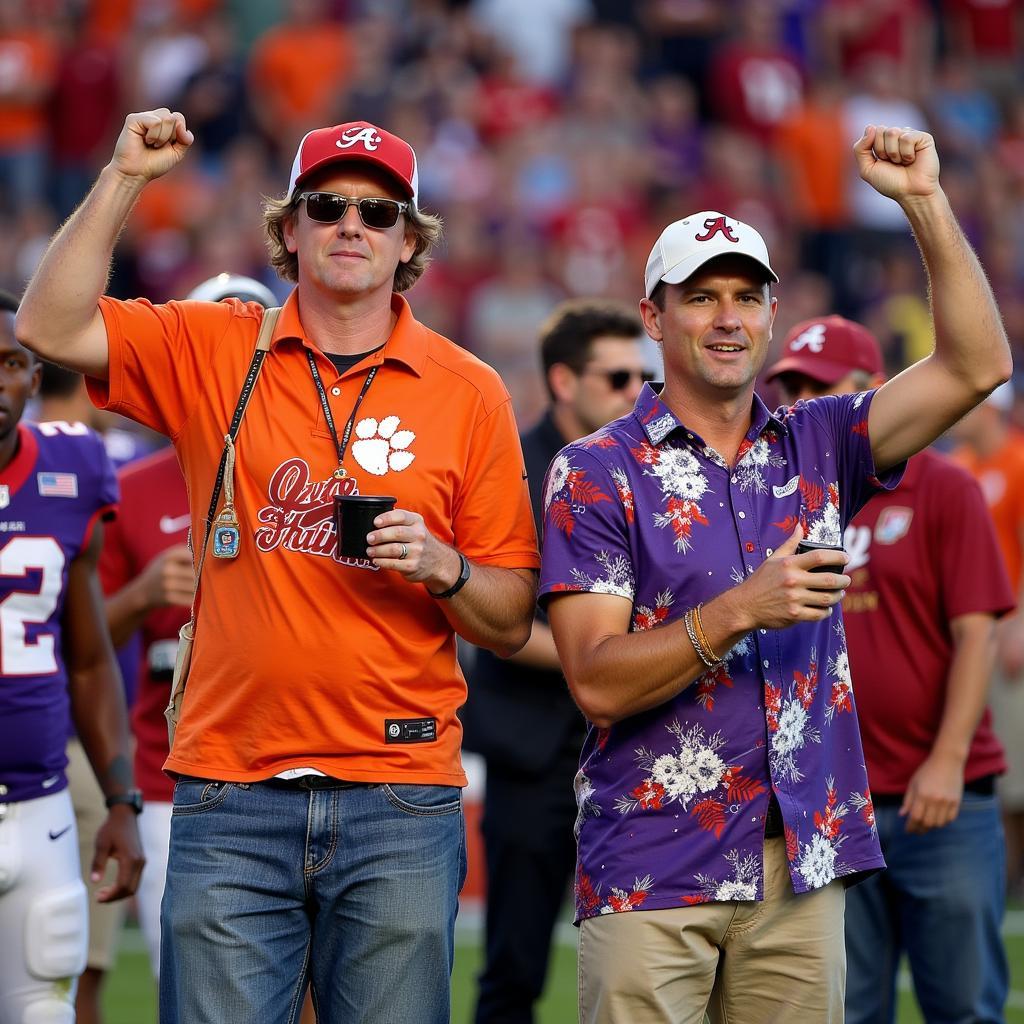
x: 689, y: 266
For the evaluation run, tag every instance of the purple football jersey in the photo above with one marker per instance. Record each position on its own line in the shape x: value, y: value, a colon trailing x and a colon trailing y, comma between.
x: 51, y: 494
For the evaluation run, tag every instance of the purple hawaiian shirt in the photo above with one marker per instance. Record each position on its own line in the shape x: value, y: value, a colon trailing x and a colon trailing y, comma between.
x: 672, y: 801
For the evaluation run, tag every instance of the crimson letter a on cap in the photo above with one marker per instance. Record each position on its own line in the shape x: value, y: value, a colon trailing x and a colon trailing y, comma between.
x: 711, y: 228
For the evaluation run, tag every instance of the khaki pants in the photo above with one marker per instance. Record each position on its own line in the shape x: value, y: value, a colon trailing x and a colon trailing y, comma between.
x: 783, y: 959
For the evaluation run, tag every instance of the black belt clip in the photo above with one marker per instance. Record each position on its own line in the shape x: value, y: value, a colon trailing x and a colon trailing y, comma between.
x: 774, y: 826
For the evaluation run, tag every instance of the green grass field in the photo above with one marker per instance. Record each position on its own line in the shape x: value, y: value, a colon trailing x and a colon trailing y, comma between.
x: 130, y: 999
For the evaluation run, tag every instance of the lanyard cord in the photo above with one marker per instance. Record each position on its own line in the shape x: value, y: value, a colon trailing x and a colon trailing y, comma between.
x: 341, y: 445
x: 229, y: 439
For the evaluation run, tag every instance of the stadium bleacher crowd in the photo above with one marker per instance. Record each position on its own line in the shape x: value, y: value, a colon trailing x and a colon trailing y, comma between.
x: 555, y: 137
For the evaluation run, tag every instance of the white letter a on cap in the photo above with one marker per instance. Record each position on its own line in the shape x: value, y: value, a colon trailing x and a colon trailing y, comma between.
x: 367, y: 136
x: 813, y: 338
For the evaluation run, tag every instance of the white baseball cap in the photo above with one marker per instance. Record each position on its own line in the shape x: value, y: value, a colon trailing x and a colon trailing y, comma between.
x: 686, y: 245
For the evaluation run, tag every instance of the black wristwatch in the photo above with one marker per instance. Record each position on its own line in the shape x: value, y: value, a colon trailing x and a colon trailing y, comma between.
x: 131, y: 797
x: 458, y: 584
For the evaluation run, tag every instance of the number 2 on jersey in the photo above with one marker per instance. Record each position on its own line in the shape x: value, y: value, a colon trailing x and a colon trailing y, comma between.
x: 22, y: 608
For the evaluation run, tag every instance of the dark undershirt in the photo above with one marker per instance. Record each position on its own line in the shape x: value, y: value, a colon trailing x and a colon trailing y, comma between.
x: 346, y: 362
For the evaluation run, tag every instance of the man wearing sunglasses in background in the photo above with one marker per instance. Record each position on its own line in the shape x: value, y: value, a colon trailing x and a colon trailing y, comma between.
x: 519, y: 715
x: 317, y: 826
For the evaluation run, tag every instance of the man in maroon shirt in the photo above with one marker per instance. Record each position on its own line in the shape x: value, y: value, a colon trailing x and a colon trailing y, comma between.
x: 928, y: 584
x: 146, y: 571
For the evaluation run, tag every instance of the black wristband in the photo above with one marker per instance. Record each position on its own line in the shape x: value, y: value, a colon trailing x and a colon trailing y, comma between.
x: 131, y: 797
x: 458, y: 584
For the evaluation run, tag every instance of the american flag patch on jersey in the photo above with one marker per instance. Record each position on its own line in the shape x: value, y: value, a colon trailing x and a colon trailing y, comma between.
x: 58, y: 485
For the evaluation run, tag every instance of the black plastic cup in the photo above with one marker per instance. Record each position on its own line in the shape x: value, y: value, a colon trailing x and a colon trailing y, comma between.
x: 809, y: 545
x: 353, y: 520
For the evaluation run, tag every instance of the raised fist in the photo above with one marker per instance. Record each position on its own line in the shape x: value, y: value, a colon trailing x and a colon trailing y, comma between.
x: 151, y: 143
x: 900, y: 163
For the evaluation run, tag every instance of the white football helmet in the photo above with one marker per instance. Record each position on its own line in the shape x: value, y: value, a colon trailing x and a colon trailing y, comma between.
x: 233, y: 286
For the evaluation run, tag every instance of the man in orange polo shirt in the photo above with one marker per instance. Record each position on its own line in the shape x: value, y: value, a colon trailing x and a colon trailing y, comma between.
x: 316, y: 831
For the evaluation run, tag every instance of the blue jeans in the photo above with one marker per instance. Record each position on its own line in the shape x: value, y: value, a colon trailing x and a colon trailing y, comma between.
x: 940, y: 899
x: 353, y: 890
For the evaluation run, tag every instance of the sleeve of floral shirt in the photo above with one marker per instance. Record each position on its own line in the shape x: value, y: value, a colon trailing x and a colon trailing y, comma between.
x: 586, y: 528
x: 845, y: 418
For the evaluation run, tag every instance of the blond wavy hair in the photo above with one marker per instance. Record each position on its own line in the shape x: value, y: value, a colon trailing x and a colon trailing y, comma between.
x: 426, y: 228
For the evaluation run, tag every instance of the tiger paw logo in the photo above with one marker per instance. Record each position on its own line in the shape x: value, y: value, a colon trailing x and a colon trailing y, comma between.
x: 381, y: 446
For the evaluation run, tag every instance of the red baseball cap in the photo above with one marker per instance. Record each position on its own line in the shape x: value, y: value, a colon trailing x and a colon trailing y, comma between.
x: 356, y: 140
x: 826, y: 349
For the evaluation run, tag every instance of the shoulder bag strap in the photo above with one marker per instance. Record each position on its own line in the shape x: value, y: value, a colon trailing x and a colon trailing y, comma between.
x: 227, y: 457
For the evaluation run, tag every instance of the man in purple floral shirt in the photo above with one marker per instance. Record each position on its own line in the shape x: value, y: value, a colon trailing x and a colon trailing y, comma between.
x: 722, y: 788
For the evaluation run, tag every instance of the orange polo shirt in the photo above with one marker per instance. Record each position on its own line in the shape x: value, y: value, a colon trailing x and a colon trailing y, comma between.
x: 301, y: 659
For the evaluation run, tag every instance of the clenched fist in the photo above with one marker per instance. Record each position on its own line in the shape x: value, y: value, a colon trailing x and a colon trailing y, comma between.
x: 151, y: 143
x: 900, y: 163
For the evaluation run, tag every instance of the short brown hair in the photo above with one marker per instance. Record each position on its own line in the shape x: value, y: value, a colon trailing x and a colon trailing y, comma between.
x: 426, y: 228
x: 568, y: 333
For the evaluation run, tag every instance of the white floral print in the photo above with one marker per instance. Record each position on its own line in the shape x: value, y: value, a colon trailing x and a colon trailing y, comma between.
x: 618, y: 578
x: 693, y: 767
x: 751, y: 466
x: 558, y: 476
x: 746, y: 874
x: 817, y: 864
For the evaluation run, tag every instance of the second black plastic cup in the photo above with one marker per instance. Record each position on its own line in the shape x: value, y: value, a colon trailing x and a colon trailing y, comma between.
x: 353, y: 520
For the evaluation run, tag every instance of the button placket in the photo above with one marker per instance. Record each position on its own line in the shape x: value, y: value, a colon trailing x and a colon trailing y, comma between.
x: 744, y: 523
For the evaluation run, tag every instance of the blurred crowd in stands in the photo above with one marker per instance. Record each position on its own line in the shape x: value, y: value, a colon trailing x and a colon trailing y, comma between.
x: 555, y: 137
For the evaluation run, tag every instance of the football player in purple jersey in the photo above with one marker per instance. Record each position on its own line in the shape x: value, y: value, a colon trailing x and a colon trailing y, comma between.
x: 56, y: 487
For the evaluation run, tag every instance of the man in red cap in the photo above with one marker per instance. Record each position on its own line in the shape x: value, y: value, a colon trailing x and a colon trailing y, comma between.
x: 316, y: 831
x: 829, y: 355
x: 928, y: 585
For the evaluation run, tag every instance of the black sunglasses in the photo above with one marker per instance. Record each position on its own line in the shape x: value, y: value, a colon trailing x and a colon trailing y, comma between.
x: 619, y: 379
x: 329, y: 208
